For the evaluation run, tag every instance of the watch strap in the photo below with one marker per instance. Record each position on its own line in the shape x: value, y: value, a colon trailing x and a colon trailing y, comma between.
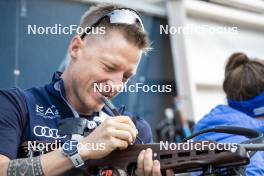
x: 76, y: 160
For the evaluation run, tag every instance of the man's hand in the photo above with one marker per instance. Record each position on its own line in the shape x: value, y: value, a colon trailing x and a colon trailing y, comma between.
x: 113, y: 133
x: 147, y: 167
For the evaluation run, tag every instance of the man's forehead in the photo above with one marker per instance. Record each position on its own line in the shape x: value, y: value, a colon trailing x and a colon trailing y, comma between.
x: 118, y: 61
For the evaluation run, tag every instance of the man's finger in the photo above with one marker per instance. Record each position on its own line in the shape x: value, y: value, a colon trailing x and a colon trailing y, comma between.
x: 121, y: 144
x: 169, y: 173
x: 122, y: 135
x: 156, y: 168
x: 140, y: 163
x: 125, y: 119
x: 126, y: 127
x: 148, y: 162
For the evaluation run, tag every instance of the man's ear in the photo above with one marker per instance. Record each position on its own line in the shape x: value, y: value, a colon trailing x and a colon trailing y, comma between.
x: 75, y: 47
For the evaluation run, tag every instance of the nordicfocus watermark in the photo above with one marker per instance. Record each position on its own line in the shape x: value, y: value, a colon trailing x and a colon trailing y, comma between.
x: 86, y: 146
x: 197, y: 29
x: 58, y: 29
x: 51, y: 146
x: 138, y: 87
x: 203, y: 145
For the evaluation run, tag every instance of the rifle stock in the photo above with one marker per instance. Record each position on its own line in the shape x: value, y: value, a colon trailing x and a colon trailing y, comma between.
x: 179, y: 160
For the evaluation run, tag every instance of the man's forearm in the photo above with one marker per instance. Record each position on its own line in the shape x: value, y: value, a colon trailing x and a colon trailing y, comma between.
x: 53, y: 163
x: 25, y: 166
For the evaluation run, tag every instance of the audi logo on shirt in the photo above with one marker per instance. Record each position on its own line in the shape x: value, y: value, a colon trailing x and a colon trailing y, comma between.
x: 44, y: 131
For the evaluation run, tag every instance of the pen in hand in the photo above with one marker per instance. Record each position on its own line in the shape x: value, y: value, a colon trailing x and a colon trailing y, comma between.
x: 112, y: 108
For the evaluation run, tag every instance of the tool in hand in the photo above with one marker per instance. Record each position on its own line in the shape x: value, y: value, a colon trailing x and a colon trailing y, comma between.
x: 112, y: 108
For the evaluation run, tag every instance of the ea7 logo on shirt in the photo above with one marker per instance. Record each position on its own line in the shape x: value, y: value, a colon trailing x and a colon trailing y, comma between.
x: 48, y: 113
x: 44, y: 131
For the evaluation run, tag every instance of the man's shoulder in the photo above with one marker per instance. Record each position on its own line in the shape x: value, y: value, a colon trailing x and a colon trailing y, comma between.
x: 13, y: 95
x: 13, y: 91
x: 12, y: 101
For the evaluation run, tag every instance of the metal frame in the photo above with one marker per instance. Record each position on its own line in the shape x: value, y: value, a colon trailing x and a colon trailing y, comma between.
x: 176, y: 17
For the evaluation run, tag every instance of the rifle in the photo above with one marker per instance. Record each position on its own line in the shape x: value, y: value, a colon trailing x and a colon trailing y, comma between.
x: 179, y: 160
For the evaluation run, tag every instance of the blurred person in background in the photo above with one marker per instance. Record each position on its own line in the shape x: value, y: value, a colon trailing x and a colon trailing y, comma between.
x: 244, y: 88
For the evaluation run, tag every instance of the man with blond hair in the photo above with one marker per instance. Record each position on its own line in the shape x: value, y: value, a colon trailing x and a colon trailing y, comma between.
x: 109, y: 57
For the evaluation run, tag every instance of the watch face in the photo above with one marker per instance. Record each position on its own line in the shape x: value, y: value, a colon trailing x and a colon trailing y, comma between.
x: 70, y: 147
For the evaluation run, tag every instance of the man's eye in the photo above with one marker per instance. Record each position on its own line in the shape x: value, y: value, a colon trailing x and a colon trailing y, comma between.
x: 109, y: 68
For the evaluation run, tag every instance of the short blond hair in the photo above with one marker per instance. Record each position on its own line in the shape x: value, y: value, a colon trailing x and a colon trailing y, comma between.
x: 133, y: 34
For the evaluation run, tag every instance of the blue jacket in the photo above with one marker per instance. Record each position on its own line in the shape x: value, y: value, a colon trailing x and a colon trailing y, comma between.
x: 225, y: 115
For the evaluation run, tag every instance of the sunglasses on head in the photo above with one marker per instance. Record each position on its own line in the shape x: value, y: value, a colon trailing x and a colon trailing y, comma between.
x: 119, y: 16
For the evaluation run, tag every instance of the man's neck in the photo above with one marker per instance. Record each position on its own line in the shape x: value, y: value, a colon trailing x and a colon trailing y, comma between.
x: 72, y: 100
